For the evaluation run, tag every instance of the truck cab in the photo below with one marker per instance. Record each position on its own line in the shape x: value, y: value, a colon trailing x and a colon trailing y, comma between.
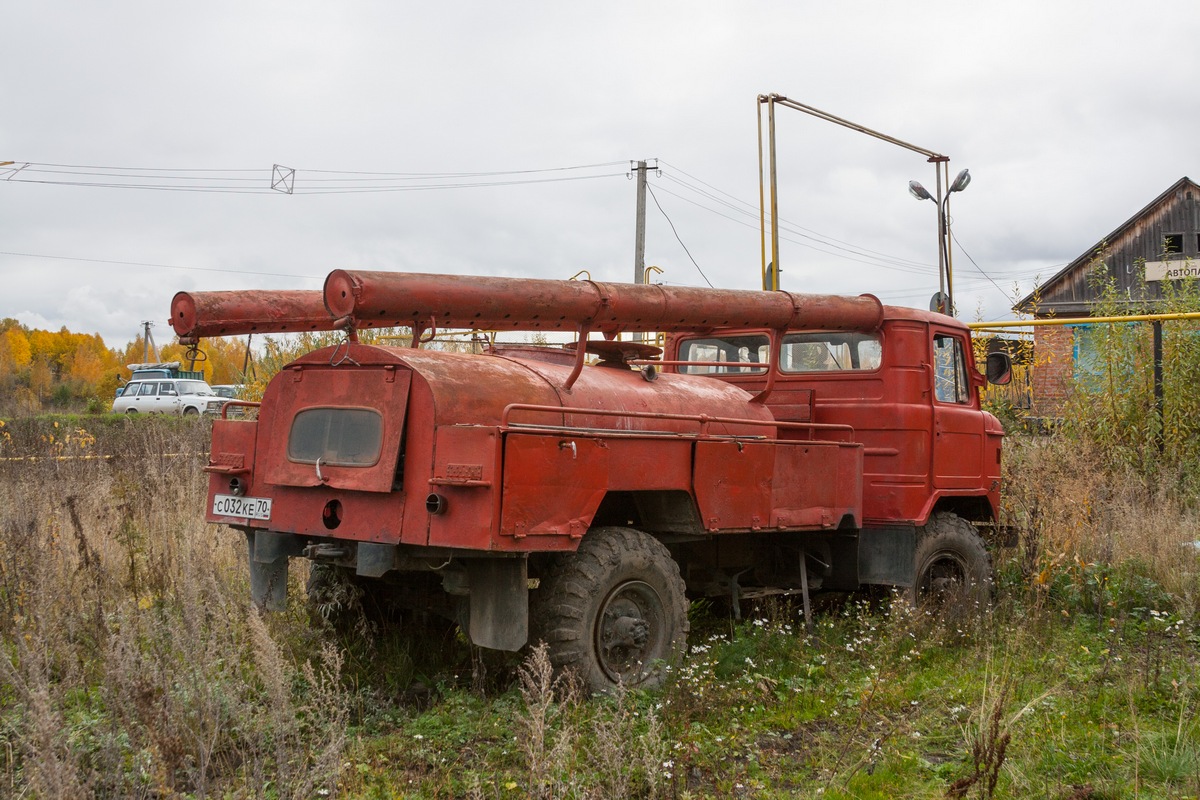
x: 910, y: 391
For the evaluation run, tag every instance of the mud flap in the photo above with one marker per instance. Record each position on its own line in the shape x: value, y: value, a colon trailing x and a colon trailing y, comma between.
x: 269, y: 553
x: 885, y: 555
x: 499, y: 602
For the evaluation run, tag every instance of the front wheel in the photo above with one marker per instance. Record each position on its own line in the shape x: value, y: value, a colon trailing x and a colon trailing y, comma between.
x: 952, y: 563
x: 190, y: 411
x: 614, y: 611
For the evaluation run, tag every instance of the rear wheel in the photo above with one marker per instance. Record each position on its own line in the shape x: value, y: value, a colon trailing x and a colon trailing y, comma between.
x: 131, y: 411
x: 952, y: 563
x: 614, y: 611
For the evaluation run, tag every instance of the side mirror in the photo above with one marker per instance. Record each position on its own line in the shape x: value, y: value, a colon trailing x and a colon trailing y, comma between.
x: 999, y: 368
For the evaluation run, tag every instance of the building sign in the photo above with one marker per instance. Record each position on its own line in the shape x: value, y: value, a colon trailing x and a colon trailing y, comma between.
x: 1171, y: 270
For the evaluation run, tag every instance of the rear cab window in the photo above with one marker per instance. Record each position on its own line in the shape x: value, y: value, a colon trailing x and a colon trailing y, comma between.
x: 833, y: 351
x: 830, y: 352
x: 726, y: 355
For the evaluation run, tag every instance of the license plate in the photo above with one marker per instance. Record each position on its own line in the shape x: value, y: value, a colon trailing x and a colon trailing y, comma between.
x: 228, y: 505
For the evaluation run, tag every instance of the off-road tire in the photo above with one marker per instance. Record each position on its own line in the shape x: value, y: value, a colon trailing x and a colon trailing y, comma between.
x: 952, y: 564
x: 614, y: 611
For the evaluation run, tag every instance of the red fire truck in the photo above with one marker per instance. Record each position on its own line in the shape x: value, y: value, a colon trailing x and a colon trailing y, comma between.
x: 579, y: 495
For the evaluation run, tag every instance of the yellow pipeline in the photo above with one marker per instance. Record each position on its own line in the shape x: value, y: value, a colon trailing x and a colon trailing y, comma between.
x: 1033, y: 323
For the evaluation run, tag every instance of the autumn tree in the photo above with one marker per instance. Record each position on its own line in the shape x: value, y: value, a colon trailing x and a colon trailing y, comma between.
x: 40, y: 368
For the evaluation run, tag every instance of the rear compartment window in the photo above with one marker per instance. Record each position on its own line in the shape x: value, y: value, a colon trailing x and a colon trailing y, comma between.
x: 349, y: 437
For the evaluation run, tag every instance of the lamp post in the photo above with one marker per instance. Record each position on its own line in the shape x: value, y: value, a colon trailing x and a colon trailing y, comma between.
x: 945, y: 300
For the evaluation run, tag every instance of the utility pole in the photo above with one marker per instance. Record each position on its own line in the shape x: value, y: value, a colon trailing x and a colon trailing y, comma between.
x: 639, y: 236
x: 639, y: 241
x: 148, y: 343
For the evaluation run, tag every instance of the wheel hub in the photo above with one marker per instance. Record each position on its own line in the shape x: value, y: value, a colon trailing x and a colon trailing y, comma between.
x: 943, y: 577
x: 628, y: 629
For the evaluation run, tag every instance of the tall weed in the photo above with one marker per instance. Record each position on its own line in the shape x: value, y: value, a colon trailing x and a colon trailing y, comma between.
x: 132, y: 662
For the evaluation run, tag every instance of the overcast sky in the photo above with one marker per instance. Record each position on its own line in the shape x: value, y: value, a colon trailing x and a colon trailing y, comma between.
x: 1071, y: 116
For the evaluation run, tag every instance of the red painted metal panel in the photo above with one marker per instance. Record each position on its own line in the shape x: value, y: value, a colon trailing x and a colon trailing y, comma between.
x: 647, y: 465
x: 231, y: 456
x: 362, y: 516
x: 957, y: 447
x: 381, y: 389
x: 816, y: 484
x: 733, y: 484
x: 553, y: 484
x: 466, y: 473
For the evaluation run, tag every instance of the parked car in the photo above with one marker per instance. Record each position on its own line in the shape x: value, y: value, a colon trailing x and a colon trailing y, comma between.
x: 168, y: 396
x: 230, y: 391
x: 169, y: 369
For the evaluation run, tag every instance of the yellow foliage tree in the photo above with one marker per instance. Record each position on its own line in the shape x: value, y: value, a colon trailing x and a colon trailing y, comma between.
x: 15, y: 353
x: 60, y: 368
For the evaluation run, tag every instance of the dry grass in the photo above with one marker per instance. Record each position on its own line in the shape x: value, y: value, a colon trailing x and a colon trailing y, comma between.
x: 1084, y: 517
x: 133, y: 665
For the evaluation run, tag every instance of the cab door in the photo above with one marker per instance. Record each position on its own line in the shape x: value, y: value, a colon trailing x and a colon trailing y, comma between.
x: 957, y: 423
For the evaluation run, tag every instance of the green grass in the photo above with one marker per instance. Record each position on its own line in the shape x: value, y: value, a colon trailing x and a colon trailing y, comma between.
x: 878, y: 702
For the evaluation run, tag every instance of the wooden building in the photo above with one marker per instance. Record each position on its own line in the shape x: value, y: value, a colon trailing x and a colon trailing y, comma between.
x: 1157, y: 244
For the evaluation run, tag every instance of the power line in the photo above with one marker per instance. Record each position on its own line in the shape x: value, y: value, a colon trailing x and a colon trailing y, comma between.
x: 467, y: 174
x: 681, y: 244
x: 976, y: 266
x: 751, y: 209
x: 161, y: 266
x: 236, y: 181
x: 928, y: 270
x: 890, y: 263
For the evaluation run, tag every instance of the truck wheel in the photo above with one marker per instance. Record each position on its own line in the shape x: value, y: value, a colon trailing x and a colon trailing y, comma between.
x: 951, y: 562
x: 614, y: 611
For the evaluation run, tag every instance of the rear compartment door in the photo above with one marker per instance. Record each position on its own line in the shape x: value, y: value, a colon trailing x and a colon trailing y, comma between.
x: 365, y: 402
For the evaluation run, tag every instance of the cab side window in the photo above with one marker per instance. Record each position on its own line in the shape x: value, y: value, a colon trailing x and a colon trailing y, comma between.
x: 950, y: 383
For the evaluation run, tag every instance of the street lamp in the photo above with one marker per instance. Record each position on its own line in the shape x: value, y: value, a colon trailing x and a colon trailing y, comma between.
x: 945, y: 299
